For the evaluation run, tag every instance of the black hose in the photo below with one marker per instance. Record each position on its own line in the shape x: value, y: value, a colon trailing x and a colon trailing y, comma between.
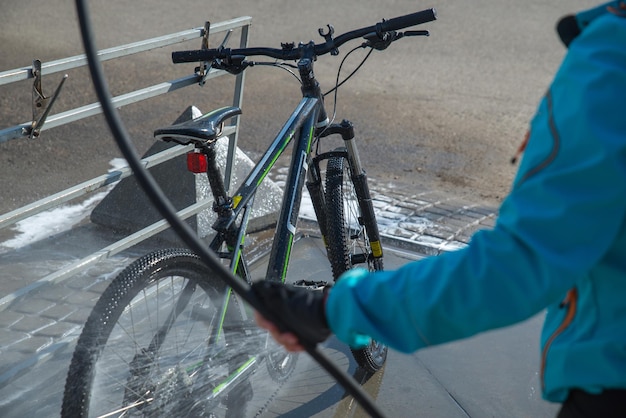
x: 165, y: 208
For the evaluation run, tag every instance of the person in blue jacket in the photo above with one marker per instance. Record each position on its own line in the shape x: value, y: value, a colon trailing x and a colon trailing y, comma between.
x: 559, y: 243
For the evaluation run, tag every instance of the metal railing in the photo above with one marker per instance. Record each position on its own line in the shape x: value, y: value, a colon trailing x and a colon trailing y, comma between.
x: 42, y: 121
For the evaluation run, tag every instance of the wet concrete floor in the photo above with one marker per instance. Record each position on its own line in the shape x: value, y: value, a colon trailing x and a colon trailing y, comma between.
x: 491, y: 375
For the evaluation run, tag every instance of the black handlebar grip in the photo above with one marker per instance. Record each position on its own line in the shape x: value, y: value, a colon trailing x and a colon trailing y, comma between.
x: 413, y: 19
x: 192, y: 56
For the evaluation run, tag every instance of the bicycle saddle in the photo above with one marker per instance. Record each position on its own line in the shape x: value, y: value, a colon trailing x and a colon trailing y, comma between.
x: 206, y: 128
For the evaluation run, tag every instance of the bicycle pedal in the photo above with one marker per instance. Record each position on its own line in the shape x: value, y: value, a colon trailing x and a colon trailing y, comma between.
x: 312, y: 284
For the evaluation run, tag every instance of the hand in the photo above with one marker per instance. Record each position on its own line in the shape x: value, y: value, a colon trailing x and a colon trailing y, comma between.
x: 287, y: 339
x: 301, y: 309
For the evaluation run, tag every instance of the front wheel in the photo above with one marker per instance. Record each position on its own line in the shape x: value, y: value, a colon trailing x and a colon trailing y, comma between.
x: 348, y: 242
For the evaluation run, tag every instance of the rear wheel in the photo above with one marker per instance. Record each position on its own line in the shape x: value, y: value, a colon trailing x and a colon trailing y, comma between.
x: 349, y: 244
x: 151, y: 346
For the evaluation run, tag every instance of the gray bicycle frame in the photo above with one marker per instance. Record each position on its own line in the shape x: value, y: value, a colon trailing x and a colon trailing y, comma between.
x: 301, y: 124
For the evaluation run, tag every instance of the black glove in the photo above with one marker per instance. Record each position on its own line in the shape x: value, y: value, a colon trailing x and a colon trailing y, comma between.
x: 300, y: 308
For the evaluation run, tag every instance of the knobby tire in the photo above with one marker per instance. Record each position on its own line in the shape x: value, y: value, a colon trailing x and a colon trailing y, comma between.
x: 347, y: 241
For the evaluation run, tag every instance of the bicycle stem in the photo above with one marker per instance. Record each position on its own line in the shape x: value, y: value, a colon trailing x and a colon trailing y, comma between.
x: 310, y: 86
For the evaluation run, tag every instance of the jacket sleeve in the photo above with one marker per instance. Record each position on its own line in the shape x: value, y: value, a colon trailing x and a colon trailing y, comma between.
x: 567, y: 205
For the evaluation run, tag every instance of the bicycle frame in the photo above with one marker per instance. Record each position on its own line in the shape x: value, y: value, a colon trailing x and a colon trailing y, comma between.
x: 307, y: 121
x: 233, y: 213
x: 301, y: 126
x: 302, y: 121
x: 308, y: 115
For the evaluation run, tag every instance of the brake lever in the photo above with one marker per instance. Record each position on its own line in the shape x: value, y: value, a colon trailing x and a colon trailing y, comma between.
x: 414, y: 33
x: 379, y: 40
x: 234, y: 64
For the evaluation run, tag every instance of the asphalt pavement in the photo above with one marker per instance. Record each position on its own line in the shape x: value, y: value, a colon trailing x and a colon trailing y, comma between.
x: 444, y: 112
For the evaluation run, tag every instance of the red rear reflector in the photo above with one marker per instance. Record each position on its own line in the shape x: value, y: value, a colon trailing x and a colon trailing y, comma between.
x: 196, y: 162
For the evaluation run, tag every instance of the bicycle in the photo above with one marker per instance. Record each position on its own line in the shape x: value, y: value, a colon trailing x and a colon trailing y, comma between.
x: 167, y: 336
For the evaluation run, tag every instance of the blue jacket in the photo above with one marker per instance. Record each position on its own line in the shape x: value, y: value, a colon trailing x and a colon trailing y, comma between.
x: 559, y: 241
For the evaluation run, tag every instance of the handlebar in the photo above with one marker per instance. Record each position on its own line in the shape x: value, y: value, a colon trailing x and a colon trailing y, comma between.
x: 290, y: 53
x: 406, y: 21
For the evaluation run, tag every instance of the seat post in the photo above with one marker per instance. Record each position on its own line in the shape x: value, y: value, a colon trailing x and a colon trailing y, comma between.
x: 222, y: 204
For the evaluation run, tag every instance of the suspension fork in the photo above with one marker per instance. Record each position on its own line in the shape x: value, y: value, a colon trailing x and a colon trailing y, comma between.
x: 359, y: 179
x: 316, y: 192
x: 314, y: 186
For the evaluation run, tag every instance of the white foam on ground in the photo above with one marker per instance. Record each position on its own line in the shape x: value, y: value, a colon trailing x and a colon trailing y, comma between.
x: 57, y: 220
